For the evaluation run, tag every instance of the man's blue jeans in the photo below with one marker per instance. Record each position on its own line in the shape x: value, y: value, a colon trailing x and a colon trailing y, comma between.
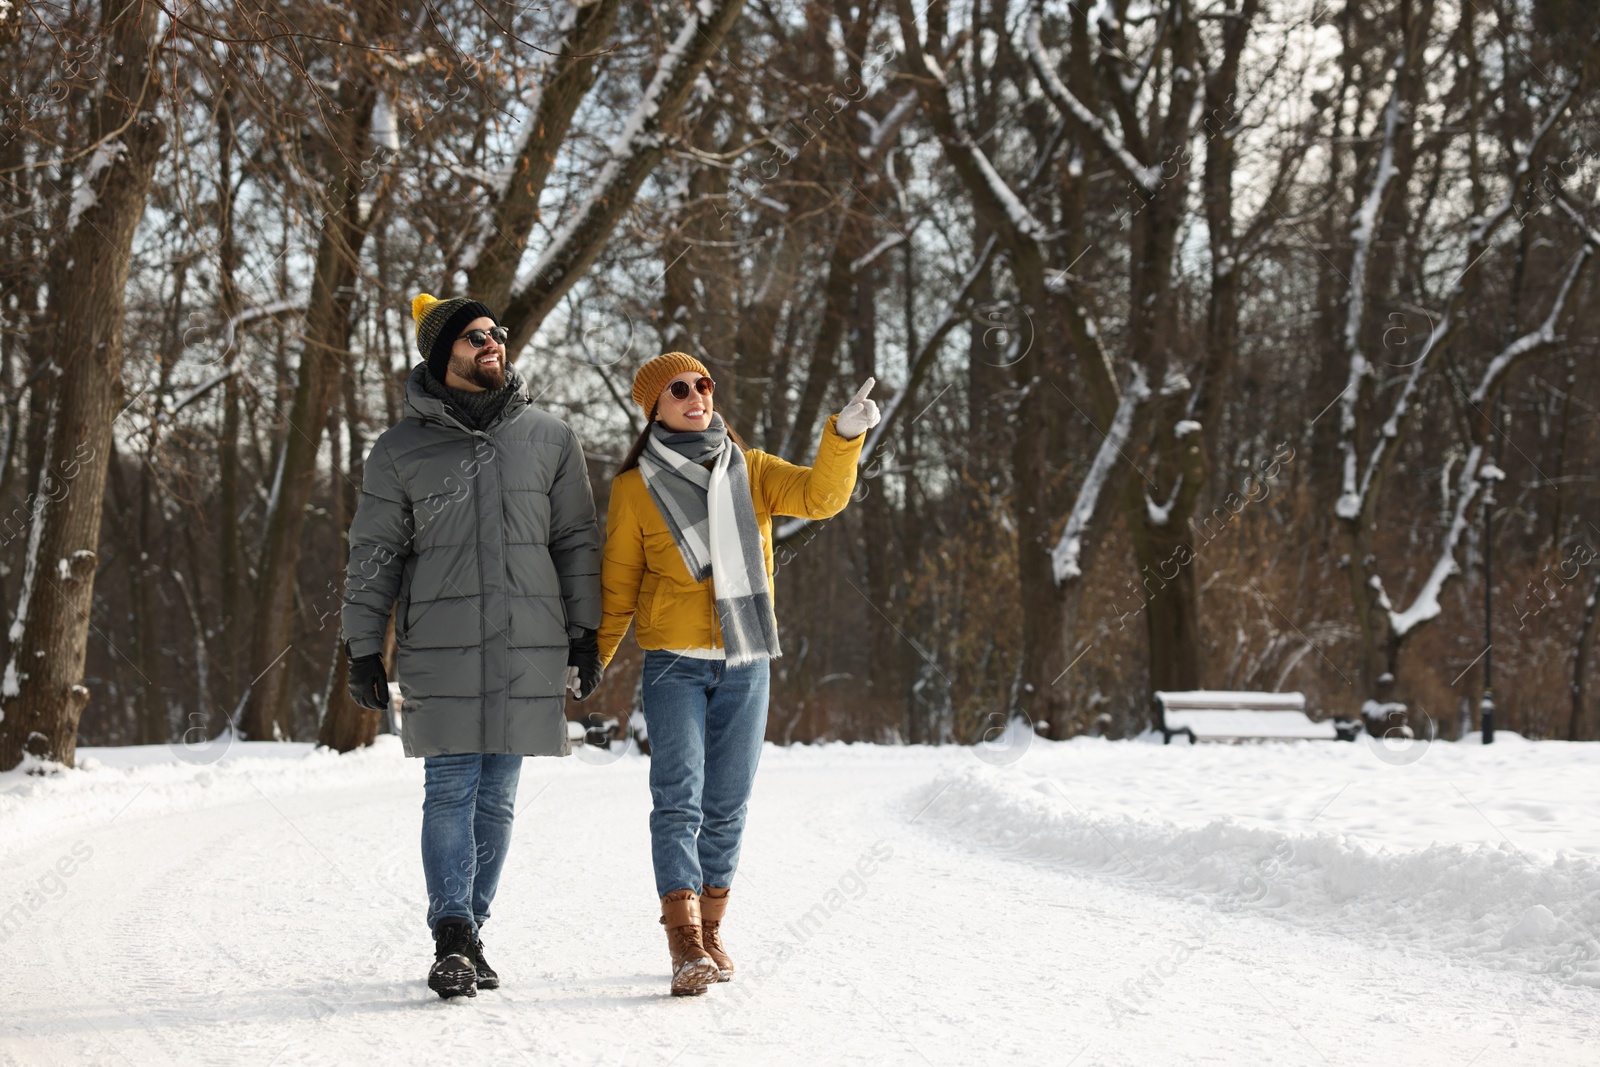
x: 467, y: 806
x: 706, y: 723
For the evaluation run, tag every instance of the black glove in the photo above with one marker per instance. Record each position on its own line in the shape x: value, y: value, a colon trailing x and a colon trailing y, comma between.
x: 369, y: 683
x: 584, y: 654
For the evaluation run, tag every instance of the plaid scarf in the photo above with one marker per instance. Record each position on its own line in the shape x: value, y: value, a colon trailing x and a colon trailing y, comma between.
x: 713, y: 521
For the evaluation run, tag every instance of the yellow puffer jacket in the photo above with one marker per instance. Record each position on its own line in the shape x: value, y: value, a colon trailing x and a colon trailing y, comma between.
x: 642, y: 577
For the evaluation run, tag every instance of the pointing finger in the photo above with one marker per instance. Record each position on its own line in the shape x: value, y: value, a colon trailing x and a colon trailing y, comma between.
x: 861, y: 394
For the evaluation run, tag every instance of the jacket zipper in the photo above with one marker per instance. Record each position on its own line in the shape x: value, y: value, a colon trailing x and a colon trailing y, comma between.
x: 484, y: 622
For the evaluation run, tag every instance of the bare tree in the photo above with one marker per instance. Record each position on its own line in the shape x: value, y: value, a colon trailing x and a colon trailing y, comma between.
x: 342, y: 157
x: 1385, y: 627
x: 80, y: 340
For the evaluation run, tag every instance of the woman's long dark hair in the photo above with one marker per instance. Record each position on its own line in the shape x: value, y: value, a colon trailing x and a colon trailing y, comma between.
x: 631, y: 460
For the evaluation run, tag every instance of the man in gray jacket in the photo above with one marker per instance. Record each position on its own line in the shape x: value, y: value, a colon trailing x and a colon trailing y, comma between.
x: 477, y: 528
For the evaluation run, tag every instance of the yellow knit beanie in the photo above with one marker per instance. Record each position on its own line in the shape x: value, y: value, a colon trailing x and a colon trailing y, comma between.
x: 654, y: 376
x: 438, y: 322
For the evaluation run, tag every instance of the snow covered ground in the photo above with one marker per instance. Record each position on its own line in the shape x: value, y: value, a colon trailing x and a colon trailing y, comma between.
x: 1084, y: 903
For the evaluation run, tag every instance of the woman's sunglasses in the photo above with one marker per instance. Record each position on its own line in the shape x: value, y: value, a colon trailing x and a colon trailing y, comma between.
x: 479, y: 338
x: 702, y: 385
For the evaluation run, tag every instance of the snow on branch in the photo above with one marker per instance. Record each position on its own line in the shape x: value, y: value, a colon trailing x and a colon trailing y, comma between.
x: 84, y: 195
x: 641, y: 130
x: 882, y: 136
x: 1352, y: 501
x: 980, y: 176
x: 497, y: 184
x: 1148, y: 179
x: 1161, y: 514
x: 894, y: 240
x: 558, y: 86
x: 189, y: 396
x: 11, y: 684
x: 1426, y: 605
x: 1590, y: 234
x: 1518, y: 349
x: 1356, y: 483
x: 1021, y: 218
x: 230, y: 328
x: 633, y: 154
x: 1541, y: 337
x: 1484, y: 227
x: 1365, y: 224
x: 1065, y: 557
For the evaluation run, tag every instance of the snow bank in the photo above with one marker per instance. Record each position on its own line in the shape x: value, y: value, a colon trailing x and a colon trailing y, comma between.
x: 1490, y: 904
x: 143, y: 780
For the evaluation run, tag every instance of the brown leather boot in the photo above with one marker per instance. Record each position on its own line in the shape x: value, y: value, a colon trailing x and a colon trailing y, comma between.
x: 713, y: 906
x: 692, y: 969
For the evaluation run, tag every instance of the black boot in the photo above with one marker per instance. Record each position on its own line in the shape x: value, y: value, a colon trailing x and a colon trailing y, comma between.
x: 453, y: 973
x: 487, y: 979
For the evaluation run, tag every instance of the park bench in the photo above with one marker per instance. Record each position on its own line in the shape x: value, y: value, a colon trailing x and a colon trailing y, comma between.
x: 1225, y: 715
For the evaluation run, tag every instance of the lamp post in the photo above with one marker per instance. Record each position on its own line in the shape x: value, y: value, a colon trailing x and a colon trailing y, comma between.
x: 1489, y: 474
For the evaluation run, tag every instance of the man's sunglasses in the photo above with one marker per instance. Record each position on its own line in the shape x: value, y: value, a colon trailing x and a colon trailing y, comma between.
x: 702, y: 385
x: 479, y: 338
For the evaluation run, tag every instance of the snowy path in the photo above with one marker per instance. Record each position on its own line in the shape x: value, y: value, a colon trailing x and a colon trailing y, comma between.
x: 1085, y: 905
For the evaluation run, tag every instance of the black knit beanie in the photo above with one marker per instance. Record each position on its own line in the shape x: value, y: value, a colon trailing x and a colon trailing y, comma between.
x: 439, y: 323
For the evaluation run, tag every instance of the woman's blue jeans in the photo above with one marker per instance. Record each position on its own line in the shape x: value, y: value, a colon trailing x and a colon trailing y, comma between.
x: 467, y: 806
x: 706, y: 723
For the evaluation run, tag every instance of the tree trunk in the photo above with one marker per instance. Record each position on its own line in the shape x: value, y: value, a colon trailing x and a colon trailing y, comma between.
x: 42, y: 694
x: 886, y: 647
x: 1581, y: 724
x: 346, y: 725
x: 228, y: 305
x: 1164, y: 551
x: 1167, y: 583
x: 149, y: 716
x: 837, y: 293
x: 1046, y: 613
x: 327, y: 329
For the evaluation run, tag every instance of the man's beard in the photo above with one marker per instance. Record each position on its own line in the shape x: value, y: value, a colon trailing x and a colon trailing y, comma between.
x: 489, y: 378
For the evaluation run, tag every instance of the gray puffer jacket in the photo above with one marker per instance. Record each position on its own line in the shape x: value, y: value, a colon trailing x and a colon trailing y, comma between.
x: 489, y: 542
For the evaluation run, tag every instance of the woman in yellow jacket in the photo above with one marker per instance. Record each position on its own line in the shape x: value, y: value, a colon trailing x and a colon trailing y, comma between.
x: 688, y: 560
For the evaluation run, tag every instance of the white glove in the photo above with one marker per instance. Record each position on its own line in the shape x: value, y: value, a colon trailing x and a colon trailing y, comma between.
x: 860, y: 415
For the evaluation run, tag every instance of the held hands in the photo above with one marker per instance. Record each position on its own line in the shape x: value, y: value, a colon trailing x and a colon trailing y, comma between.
x: 369, y: 683
x: 860, y: 415
x: 584, y: 673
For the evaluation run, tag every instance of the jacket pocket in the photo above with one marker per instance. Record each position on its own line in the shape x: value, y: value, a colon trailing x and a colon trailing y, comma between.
x: 561, y: 599
x: 644, y: 608
x: 415, y: 617
x: 402, y: 624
